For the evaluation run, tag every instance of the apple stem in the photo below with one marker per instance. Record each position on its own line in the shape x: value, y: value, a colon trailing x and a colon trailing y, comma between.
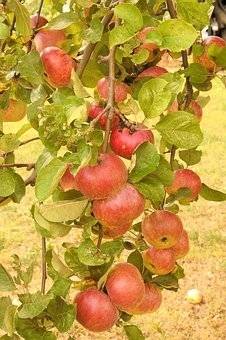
x: 44, y: 271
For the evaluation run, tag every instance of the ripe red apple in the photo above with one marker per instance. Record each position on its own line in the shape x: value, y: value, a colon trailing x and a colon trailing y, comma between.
x: 95, y: 109
x: 194, y: 107
x: 15, y: 111
x: 116, y: 230
x: 162, y: 229
x: 153, y: 71
x: 159, y: 261
x: 104, y: 179
x: 150, y: 302
x: 125, y: 142
x: 121, y: 89
x: 125, y: 286
x: 49, y: 38
x: 38, y: 21
x: 67, y: 181
x: 142, y: 36
x: 95, y: 311
x: 204, y: 58
x: 58, y: 66
x: 186, y: 178
x: 181, y: 248
x: 121, y: 208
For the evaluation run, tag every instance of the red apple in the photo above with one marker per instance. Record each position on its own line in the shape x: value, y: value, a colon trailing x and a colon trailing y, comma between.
x: 104, y: 179
x: 121, y: 89
x: 95, y: 109
x: 95, y: 311
x: 150, y: 302
x: 15, y: 111
x: 204, y: 58
x: 67, y: 181
x: 194, y: 107
x: 38, y: 21
x: 58, y: 66
x: 116, y: 230
x: 121, y: 208
x: 125, y: 142
x: 153, y: 72
x: 49, y: 38
x: 185, y: 178
x: 181, y: 248
x: 159, y: 261
x: 162, y: 229
x: 125, y: 286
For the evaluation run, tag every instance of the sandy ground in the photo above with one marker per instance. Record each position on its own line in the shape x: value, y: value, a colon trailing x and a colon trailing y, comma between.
x: 205, y: 266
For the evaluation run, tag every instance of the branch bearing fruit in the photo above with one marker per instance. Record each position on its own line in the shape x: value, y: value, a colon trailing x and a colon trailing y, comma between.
x: 159, y: 261
x: 58, y: 66
x: 152, y: 72
x: 15, y: 111
x: 186, y: 178
x: 122, y: 208
x: 121, y: 89
x: 204, y: 59
x: 38, y: 21
x: 104, y: 179
x: 181, y: 248
x: 150, y: 302
x: 162, y: 229
x: 49, y: 38
x: 95, y: 310
x: 67, y: 181
x: 125, y: 142
x: 95, y: 109
x: 125, y: 286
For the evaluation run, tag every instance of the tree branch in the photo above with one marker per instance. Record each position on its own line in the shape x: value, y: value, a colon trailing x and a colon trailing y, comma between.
x: 172, y: 156
x: 10, y: 32
x: 28, y: 166
x: 90, y: 47
x: 44, y: 271
x: 29, y: 141
x: 36, y: 26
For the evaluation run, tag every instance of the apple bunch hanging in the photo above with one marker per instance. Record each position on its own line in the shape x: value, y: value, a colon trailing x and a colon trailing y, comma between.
x: 118, y: 132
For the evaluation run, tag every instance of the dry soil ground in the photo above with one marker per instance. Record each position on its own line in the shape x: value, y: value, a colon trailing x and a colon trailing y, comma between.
x: 205, y: 266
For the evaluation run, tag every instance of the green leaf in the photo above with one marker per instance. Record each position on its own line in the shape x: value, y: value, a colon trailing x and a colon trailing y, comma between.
x: 7, y: 182
x: 191, y: 156
x: 163, y: 172
x: 48, y: 178
x: 20, y: 189
x: 154, y: 97
x: 62, y: 314
x: 9, y: 319
x: 30, y: 329
x: 90, y: 255
x: 181, y: 195
x: 49, y: 229
x: 197, y: 73
x: 9, y: 142
x: 63, y: 211
x: 175, y: 34
x: 23, y: 26
x: 4, y: 31
x: 136, y: 259
x: 95, y: 30
x: 60, y: 286
x: 78, y: 87
x: 133, y: 332
x: 195, y: 12
x: 30, y: 68
x: 180, y: 129
x: 35, y: 305
x: 112, y: 248
x: 62, y: 21
x: 147, y: 160
x: 6, y: 281
x: 5, y: 302
x: 73, y: 262
x: 210, y: 194
x: 132, y: 22
x: 152, y: 189
x: 169, y: 282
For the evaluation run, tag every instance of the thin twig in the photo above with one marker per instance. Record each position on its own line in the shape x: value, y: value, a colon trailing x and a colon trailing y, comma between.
x: 100, y: 236
x: 28, y: 166
x: 10, y: 32
x: 172, y: 156
x: 29, y: 141
x: 90, y: 47
x: 44, y: 271
x: 36, y: 26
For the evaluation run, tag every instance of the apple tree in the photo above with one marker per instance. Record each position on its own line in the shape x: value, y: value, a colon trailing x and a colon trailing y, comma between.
x: 118, y: 133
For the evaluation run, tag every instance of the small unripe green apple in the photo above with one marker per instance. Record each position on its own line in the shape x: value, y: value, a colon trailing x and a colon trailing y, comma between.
x: 15, y: 111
